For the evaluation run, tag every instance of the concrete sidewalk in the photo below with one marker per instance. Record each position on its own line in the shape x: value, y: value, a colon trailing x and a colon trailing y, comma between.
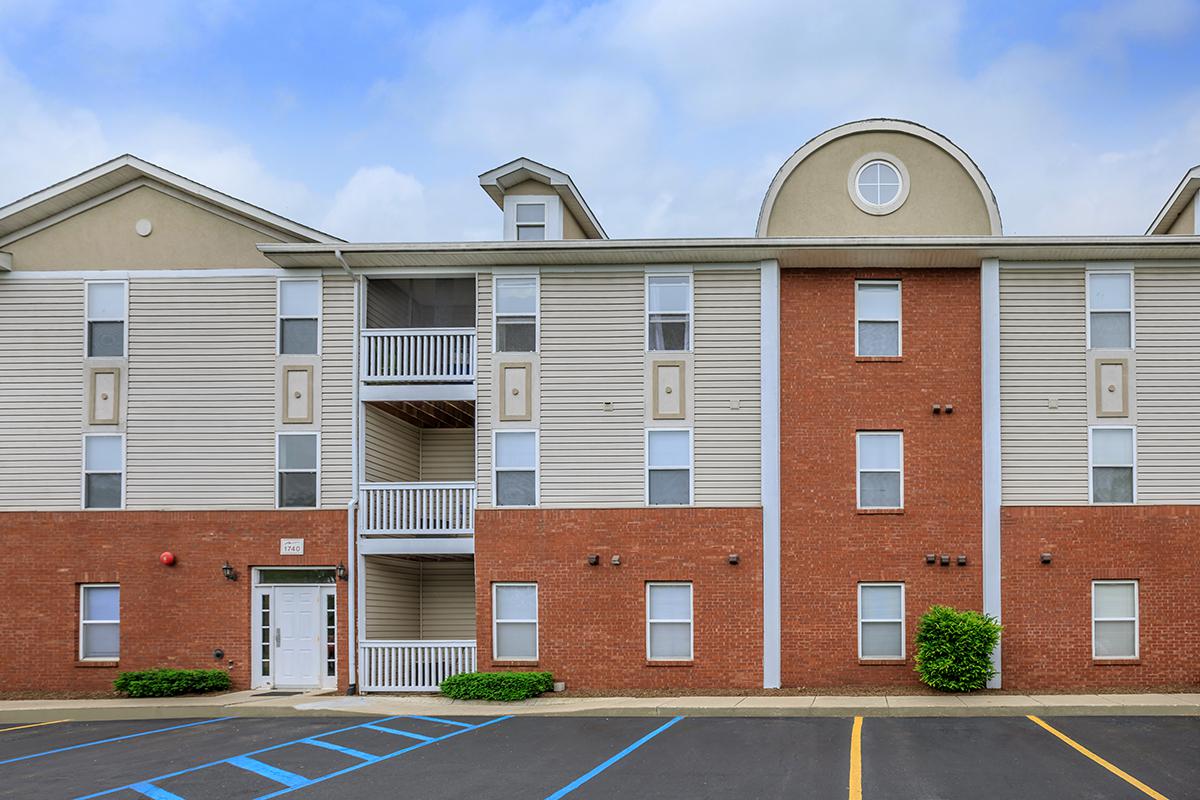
x: 260, y: 704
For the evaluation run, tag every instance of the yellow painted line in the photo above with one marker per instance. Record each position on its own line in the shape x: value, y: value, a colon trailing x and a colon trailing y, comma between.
x: 856, y: 760
x: 33, y: 725
x: 1115, y: 770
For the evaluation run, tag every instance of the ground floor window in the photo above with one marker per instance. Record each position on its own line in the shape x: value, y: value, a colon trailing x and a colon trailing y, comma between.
x: 330, y: 635
x: 881, y: 620
x: 669, y: 621
x: 515, y: 621
x: 1114, y: 619
x: 100, y: 621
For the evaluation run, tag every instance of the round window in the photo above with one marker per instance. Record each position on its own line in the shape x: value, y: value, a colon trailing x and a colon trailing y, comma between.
x: 878, y: 183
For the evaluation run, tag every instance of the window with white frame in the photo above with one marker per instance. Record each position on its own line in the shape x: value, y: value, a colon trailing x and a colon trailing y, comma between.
x: 668, y: 312
x: 106, y: 313
x: 877, y: 318
x: 880, y: 469
x: 516, y: 468
x: 881, y: 620
x: 668, y: 467
x: 516, y: 312
x: 1112, y: 455
x: 100, y: 621
x: 515, y: 621
x: 296, y: 463
x: 1114, y: 619
x: 669, y: 621
x: 103, y: 470
x: 530, y: 221
x: 1110, y: 310
x: 299, y: 315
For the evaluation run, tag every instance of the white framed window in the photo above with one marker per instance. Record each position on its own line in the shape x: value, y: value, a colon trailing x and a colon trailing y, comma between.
x: 296, y: 458
x: 103, y: 470
x: 881, y: 620
x: 515, y: 621
x: 299, y: 316
x: 668, y: 312
x: 669, y: 621
x: 515, y: 470
x: 1110, y: 310
x: 99, y: 621
x: 1115, y: 619
x: 878, y: 183
x: 877, y: 318
x: 515, y: 314
x: 880, y: 469
x: 530, y: 221
x: 533, y: 217
x: 668, y: 466
x: 1112, y: 455
x: 106, y: 312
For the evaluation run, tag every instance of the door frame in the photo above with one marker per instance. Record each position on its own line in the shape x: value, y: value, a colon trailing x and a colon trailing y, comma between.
x: 257, y: 591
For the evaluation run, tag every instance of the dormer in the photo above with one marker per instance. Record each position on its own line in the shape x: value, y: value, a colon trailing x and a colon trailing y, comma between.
x: 1181, y: 214
x: 539, y: 203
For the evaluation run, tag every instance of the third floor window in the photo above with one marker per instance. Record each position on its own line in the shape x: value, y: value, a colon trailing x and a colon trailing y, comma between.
x: 877, y: 318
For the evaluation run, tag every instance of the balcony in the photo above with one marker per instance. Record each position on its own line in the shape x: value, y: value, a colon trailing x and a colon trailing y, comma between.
x: 418, y: 355
x: 428, y: 508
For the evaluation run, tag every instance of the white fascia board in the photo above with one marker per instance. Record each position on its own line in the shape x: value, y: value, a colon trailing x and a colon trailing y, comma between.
x: 1175, y: 204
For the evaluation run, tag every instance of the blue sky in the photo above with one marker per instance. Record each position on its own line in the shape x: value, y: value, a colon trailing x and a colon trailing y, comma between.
x: 372, y: 120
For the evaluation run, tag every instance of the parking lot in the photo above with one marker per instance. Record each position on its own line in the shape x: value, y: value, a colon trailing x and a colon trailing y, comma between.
x: 546, y: 758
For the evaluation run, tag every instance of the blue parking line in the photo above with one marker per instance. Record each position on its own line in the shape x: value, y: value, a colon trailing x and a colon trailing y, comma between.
x: 399, y: 732
x: 113, y: 739
x: 587, y: 776
x: 268, y: 771
x: 339, y: 749
x: 154, y: 793
x: 439, y: 719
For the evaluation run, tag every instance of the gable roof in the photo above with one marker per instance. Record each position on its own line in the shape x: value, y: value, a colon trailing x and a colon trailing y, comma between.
x: 1179, y: 199
x: 94, y: 184
x: 519, y: 170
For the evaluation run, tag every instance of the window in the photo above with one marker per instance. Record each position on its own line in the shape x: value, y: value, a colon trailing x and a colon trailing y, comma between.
x: 103, y: 471
x: 515, y: 621
x: 516, y: 470
x: 878, y: 183
x: 106, y: 313
x: 530, y: 219
x: 668, y: 467
x: 881, y: 620
x: 330, y: 635
x: 1114, y: 619
x: 669, y: 621
x: 516, y: 314
x: 877, y: 318
x: 880, y: 469
x: 1110, y: 310
x: 1112, y: 456
x: 668, y: 312
x: 100, y: 621
x: 296, y: 461
x: 299, y: 312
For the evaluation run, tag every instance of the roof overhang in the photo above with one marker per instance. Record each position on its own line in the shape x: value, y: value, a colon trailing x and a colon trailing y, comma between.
x: 1179, y: 199
x: 809, y: 252
x: 497, y: 181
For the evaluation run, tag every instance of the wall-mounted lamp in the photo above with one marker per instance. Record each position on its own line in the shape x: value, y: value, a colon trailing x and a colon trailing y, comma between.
x: 229, y: 572
x: 342, y: 572
x: 1046, y: 558
x: 962, y: 561
x: 735, y: 559
x: 616, y: 561
x: 945, y: 560
x: 931, y: 558
x: 593, y: 559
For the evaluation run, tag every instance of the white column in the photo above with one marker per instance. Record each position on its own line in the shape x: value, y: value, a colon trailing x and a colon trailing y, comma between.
x: 769, y: 387
x: 990, y: 368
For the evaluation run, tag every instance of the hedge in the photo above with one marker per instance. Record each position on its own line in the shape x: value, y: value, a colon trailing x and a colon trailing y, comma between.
x: 497, y: 685
x: 954, y: 648
x: 166, y: 682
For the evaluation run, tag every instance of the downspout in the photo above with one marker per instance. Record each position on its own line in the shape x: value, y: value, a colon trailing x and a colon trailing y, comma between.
x: 352, y: 506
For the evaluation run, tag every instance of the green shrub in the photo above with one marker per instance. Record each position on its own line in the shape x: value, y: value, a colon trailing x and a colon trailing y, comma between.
x: 497, y: 685
x: 954, y: 648
x: 167, y: 682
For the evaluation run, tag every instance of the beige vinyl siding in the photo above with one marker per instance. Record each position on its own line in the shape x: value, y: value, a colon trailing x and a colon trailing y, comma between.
x: 41, y: 394
x: 727, y: 442
x: 447, y: 454
x: 483, y: 389
x: 392, y: 448
x: 592, y: 351
x: 1168, y: 384
x: 201, y: 413
x: 337, y: 389
x: 1044, y: 451
x: 392, y: 607
x: 448, y: 600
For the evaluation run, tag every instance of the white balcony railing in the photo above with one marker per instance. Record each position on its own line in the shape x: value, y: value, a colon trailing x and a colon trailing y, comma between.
x: 418, y: 355
x: 414, y: 508
x: 411, y: 665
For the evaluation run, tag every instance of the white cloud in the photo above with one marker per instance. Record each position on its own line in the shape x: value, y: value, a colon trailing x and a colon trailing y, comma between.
x: 379, y: 204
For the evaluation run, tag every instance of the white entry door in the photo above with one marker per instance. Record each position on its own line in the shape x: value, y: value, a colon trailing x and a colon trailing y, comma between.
x: 299, y: 637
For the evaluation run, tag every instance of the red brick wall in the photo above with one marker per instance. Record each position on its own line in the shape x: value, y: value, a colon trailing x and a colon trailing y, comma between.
x: 828, y: 395
x: 170, y: 616
x: 1047, y: 607
x: 592, y: 620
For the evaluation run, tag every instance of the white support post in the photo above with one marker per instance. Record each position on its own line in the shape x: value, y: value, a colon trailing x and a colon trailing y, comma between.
x: 769, y: 388
x: 990, y: 368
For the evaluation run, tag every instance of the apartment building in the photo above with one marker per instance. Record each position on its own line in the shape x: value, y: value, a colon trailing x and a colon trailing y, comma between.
x: 230, y: 439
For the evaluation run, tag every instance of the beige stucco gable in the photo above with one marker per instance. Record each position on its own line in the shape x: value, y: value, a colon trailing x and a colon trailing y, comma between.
x: 184, y: 235
x: 1185, y: 223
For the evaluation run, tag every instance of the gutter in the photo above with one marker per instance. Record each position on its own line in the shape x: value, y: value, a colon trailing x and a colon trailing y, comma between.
x: 352, y: 506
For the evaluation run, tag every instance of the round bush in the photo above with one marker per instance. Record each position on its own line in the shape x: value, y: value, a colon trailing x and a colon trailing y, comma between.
x: 954, y: 648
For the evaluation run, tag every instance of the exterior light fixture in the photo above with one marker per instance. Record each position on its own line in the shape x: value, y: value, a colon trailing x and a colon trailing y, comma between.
x: 593, y: 559
x: 229, y: 572
x: 342, y: 572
